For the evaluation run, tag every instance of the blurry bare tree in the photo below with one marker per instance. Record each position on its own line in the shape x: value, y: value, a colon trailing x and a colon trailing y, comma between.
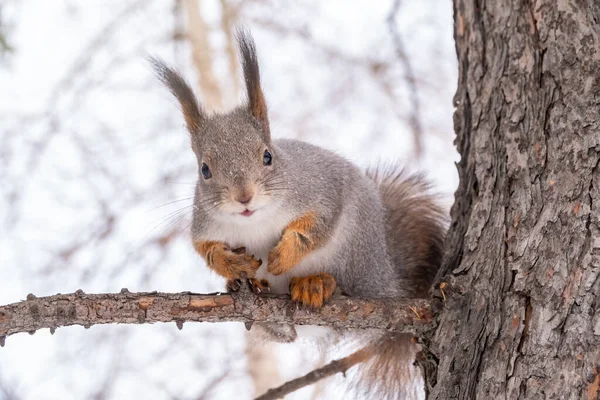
x: 97, y: 179
x: 5, y: 47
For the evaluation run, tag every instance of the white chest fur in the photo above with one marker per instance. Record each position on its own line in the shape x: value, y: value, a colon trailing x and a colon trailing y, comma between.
x: 259, y: 234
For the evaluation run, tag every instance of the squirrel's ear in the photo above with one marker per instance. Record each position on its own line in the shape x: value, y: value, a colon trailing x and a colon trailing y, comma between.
x: 192, y: 112
x: 256, y: 100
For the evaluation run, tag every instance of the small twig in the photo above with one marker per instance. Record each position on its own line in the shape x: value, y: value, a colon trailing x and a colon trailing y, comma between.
x: 341, y: 365
x: 409, y: 77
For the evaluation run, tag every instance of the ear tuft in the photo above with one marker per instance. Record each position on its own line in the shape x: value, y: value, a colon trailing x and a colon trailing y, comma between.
x: 256, y: 100
x: 192, y: 112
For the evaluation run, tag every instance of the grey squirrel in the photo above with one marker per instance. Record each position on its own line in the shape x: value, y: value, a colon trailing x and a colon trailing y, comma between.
x: 294, y: 218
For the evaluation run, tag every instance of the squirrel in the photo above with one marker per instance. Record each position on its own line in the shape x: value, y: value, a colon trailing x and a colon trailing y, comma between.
x: 291, y: 217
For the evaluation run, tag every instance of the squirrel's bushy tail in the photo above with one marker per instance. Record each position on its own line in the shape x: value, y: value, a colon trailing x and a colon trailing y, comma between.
x: 415, y: 230
x: 387, y: 372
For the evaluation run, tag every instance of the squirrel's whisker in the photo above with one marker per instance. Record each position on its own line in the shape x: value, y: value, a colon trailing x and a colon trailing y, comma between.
x: 171, y: 202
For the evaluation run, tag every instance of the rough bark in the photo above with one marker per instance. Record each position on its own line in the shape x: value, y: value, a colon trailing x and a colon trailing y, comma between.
x: 145, y: 308
x: 522, y: 318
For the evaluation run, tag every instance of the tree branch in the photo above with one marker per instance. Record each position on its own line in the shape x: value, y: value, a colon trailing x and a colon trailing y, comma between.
x: 79, y: 308
x: 341, y: 365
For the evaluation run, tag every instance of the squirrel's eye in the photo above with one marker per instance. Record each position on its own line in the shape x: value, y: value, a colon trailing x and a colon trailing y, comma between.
x: 267, y: 158
x: 205, y: 171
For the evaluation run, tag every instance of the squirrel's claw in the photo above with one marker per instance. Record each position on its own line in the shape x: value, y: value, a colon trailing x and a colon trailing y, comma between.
x: 259, y: 285
x: 233, y: 285
x: 239, y: 250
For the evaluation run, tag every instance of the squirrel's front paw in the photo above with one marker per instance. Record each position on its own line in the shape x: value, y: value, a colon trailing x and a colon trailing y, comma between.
x: 232, y: 263
x: 313, y: 290
x: 276, y: 265
x: 283, y: 257
x: 296, y: 241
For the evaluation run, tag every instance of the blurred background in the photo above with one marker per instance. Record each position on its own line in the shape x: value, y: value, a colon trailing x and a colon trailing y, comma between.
x: 96, y: 174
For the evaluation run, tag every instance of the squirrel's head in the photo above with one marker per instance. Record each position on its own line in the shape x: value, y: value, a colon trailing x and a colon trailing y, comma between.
x: 237, y: 167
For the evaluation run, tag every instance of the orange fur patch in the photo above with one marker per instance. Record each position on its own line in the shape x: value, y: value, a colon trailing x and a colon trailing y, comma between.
x: 313, y: 290
x: 227, y: 262
x: 297, y: 240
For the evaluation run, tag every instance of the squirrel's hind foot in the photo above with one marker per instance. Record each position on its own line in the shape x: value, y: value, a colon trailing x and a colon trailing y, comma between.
x: 312, y: 291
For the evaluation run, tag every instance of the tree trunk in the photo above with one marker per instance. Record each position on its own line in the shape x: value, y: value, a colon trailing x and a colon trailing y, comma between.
x: 522, y: 317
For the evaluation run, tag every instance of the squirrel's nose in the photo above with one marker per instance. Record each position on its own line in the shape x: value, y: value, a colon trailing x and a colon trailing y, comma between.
x: 244, y: 198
